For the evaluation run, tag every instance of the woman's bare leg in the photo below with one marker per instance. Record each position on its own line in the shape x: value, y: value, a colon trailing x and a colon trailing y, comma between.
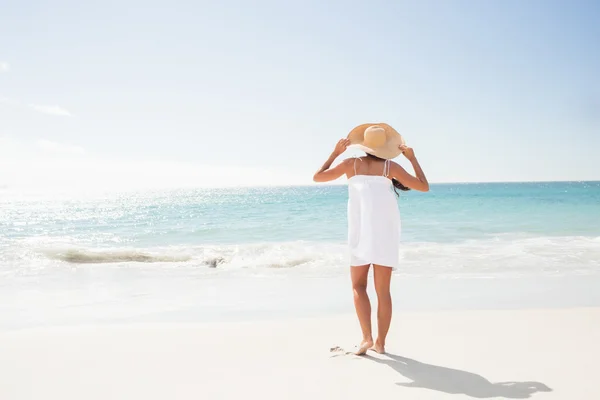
x: 383, y: 277
x: 363, y: 305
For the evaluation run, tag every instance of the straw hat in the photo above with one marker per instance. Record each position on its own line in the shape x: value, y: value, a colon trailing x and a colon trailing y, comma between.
x: 380, y: 140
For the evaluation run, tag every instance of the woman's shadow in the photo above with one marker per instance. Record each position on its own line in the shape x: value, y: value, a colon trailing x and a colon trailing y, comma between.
x: 454, y: 381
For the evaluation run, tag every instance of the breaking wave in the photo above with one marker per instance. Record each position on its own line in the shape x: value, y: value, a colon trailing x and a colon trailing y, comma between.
x: 497, y: 256
x: 113, y: 256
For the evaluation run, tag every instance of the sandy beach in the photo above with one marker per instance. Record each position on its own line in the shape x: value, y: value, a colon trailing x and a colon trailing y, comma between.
x: 545, y: 354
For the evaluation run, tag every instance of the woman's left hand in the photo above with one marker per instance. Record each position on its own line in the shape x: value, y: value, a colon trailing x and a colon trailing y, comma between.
x: 407, y: 151
x: 341, y: 146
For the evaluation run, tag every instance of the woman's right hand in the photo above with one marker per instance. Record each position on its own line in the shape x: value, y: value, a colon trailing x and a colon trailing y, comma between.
x: 341, y: 146
x: 407, y: 151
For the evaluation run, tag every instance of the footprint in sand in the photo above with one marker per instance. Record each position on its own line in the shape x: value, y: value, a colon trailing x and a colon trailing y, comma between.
x: 338, y: 351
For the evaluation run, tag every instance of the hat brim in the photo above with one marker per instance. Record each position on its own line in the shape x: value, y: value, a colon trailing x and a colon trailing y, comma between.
x: 389, y: 150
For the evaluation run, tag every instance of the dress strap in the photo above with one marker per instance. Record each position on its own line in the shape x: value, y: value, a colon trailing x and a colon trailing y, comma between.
x: 356, y: 158
x: 386, y: 168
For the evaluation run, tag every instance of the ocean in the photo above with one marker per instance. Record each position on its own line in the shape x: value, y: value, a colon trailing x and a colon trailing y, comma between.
x: 202, y: 254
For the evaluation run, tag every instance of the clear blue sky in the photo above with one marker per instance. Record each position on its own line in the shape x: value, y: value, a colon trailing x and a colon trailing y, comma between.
x: 261, y: 91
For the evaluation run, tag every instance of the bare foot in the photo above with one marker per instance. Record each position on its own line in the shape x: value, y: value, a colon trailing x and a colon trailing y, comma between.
x: 378, y: 348
x: 363, y: 347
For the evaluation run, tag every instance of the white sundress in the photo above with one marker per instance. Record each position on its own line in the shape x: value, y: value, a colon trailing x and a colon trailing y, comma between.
x: 373, y: 220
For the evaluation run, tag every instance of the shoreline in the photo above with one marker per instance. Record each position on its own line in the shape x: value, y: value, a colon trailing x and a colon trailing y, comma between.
x: 285, y: 298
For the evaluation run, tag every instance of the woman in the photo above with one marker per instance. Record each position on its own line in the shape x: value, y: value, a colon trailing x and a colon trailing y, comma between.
x: 373, y: 217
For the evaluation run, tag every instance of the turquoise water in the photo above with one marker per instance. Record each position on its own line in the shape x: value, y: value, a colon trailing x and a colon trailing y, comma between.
x: 448, y: 213
x: 160, y: 252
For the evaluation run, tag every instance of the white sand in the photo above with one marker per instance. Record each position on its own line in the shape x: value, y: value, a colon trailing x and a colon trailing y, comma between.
x: 456, y: 355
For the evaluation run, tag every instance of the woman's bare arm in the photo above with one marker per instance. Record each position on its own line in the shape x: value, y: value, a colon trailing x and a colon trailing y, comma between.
x: 417, y: 183
x: 326, y: 173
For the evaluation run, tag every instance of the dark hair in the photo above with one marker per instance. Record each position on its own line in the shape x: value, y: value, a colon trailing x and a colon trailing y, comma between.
x: 395, y: 182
